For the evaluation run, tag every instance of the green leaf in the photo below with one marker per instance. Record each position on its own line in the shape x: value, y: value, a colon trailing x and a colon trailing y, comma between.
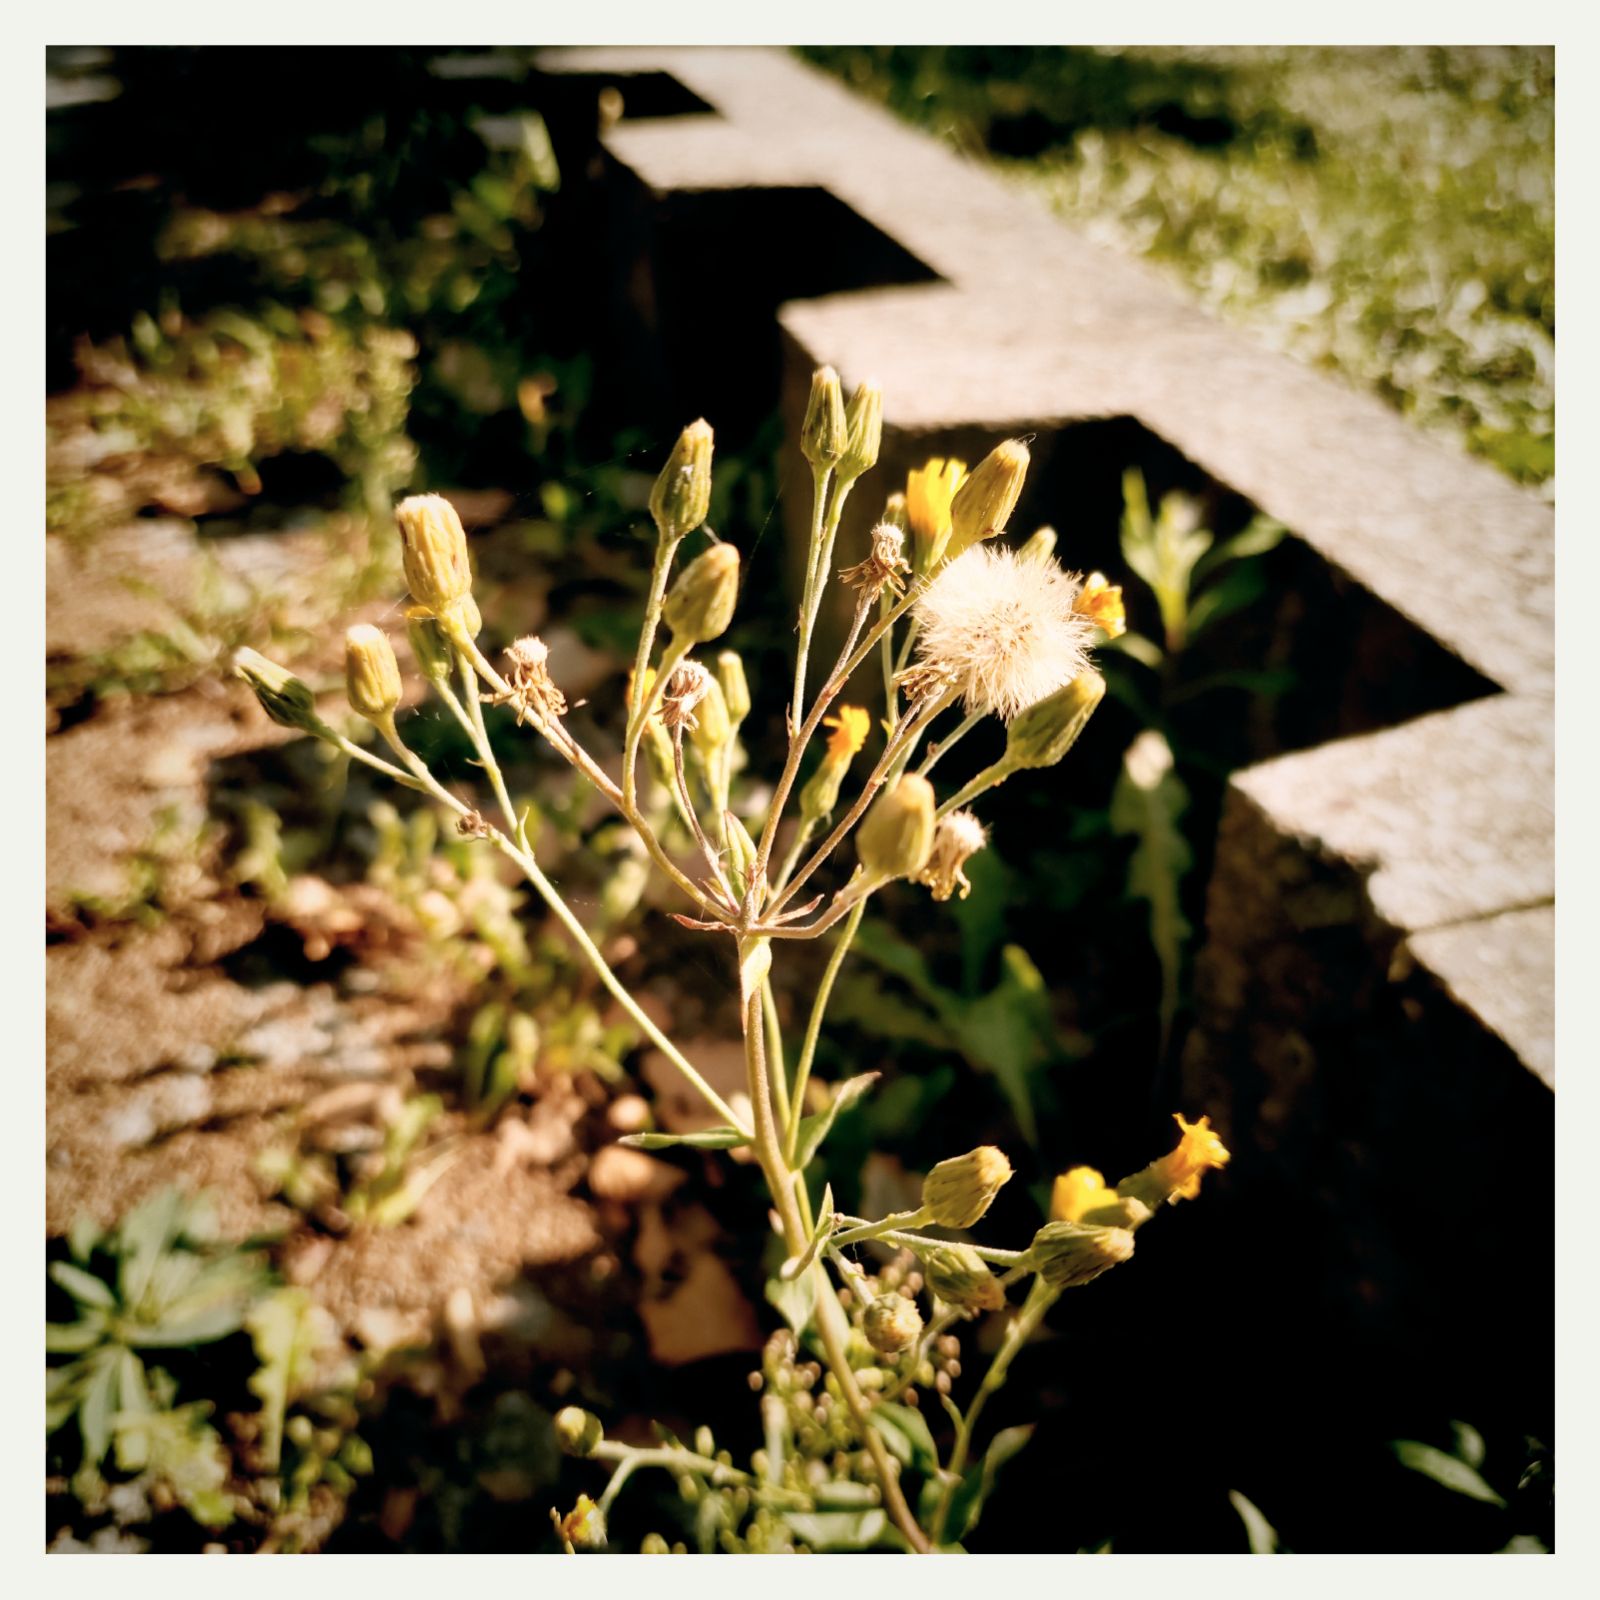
x: 795, y: 1300
x: 143, y: 1237
x: 846, y: 1494
x: 1239, y: 588
x: 1262, y: 1535
x: 84, y: 1287
x: 723, y: 1138
x: 1147, y: 802
x: 82, y: 1237
x: 966, y: 1504
x: 1009, y: 1032
x: 1469, y: 1443
x: 905, y: 1431
x: 287, y: 1334
x: 98, y: 1405
x: 1261, y: 535
x: 838, y: 1530
x: 1138, y: 648
x: 1446, y: 1470
x: 814, y: 1129
x: 180, y: 1449
x: 72, y: 1338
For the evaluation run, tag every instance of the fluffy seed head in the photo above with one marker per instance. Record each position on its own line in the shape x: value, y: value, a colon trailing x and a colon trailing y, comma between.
x: 1003, y: 629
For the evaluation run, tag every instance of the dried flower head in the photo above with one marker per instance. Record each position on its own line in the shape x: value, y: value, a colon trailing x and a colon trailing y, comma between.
x: 686, y: 688
x: 883, y: 567
x: 470, y: 825
x: 958, y: 836
x: 528, y: 684
x: 1002, y: 630
x: 892, y: 1323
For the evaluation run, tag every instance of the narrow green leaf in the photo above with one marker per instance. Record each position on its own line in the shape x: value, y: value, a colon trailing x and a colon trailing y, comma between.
x: 145, y: 1233
x: 97, y: 1406
x: 1469, y: 1443
x: 795, y: 1300
x: 905, y: 1431
x: 82, y: 1237
x: 966, y: 1504
x: 1262, y: 1535
x: 814, y: 1129
x: 1446, y: 1470
x: 838, y: 1530
x: 72, y: 1338
x: 84, y: 1287
x: 723, y: 1138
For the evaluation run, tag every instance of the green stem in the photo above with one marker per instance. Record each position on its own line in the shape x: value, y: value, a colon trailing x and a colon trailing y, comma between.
x: 819, y: 1005
x: 1040, y: 1298
x: 985, y: 780
x: 937, y: 751
x: 523, y: 857
x: 830, y: 1319
x: 659, y: 572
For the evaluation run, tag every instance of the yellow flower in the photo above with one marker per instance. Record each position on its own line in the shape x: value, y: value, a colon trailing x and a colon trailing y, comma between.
x: 1077, y: 1192
x: 929, y: 491
x: 850, y: 725
x: 649, y: 683
x: 1198, y: 1150
x: 1101, y: 602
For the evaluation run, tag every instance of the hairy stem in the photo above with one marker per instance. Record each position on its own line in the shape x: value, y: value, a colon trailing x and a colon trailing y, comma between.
x: 659, y: 572
x: 819, y: 1006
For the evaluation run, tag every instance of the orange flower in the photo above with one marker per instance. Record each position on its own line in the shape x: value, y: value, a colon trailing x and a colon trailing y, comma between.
x: 1101, y: 602
x: 850, y: 725
x: 1198, y: 1150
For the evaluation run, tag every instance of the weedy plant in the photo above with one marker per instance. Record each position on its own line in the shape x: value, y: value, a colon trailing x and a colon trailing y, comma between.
x: 965, y: 627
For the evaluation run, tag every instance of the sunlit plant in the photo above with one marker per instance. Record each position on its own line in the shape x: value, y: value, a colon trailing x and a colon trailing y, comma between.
x: 965, y: 628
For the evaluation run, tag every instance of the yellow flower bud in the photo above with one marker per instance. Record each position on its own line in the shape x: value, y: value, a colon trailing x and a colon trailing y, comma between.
x: 897, y: 834
x: 288, y: 700
x: 578, y: 1431
x: 863, y: 432
x: 958, y: 1191
x: 371, y: 673
x: 895, y: 513
x: 823, y: 435
x: 961, y: 1277
x: 1039, y: 546
x: 735, y: 688
x: 713, y: 727
x: 431, y: 645
x: 682, y: 494
x: 699, y: 606
x: 983, y: 504
x: 892, y: 1323
x: 1042, y: 734
x: 1081, y: 1195
x: 741, y: 853
x: 1066, y: 1254
x: 433, y: 546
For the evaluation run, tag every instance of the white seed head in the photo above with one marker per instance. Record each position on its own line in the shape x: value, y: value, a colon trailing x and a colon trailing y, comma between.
x: 1003, y: 629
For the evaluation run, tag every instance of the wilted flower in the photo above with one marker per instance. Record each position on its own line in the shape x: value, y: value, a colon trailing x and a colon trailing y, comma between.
x: 958, y: 836
x: 529, y: 686
x: 1002, y: 630
x: 882, y: 568
x: 685, y: 689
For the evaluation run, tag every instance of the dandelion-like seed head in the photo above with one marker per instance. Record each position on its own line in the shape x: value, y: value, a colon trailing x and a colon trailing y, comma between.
x: 1002, y: 630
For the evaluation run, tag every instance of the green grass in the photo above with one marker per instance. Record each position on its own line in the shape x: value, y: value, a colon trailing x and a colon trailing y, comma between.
x: 1385, y: 213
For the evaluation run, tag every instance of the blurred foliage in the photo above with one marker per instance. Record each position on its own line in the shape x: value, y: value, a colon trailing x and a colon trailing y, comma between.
x: 1388, y: 213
